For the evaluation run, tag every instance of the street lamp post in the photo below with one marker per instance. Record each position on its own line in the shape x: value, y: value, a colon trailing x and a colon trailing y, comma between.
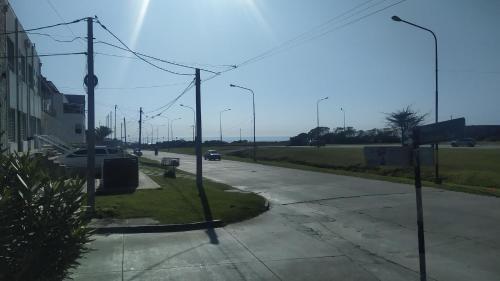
x: 317, y: 118
x: 343, y: 110
x: 253, y: 103
x: 436, y: 147
x: 194, y: 117
x: 172, y: 127
x: 220, y: 121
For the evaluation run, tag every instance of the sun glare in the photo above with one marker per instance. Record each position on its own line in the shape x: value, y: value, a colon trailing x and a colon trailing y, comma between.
x: 256, y: 12
x: 139, y: 21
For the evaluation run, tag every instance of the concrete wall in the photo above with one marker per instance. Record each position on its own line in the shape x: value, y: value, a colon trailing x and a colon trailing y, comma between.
x: 3, y: 81
x: 22, y: 86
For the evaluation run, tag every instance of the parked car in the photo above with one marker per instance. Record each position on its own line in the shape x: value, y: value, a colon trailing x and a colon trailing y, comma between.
x: 470, y: 142
x: 212, y: 155
x: 78, y: 158
x: 137, y: 152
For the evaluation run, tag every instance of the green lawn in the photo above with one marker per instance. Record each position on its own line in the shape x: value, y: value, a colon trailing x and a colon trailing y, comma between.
x: 465, y: 169
x: 177, y: 201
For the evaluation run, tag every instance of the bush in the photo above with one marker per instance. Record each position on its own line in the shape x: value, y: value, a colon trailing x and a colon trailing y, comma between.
x: 42, y: 223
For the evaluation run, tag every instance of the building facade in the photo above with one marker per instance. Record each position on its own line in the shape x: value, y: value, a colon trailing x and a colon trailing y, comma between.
x: 20, y: 80
x: 63, y: 116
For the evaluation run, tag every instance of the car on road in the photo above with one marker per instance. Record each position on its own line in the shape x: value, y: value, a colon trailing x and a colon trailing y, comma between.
x: 469, y: 142
x: 212, y: 155
x: 137, y: 152
x: 78, y: 158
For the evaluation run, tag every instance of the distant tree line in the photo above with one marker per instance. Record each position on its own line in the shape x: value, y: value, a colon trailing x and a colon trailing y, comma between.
x: 323, y: 135
x: 400, y: 122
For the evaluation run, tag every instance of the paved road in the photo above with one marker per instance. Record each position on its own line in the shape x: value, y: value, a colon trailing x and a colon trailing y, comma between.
x: 320, y: 227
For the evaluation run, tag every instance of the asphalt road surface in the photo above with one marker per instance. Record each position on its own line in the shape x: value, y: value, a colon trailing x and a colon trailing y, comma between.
x: 320, y: 227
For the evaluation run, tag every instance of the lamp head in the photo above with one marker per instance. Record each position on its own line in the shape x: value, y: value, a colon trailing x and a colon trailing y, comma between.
x: 232, y: 85
x: 396, y: 18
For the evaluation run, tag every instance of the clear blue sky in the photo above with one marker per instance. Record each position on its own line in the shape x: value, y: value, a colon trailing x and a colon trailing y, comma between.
x: 369, y: 67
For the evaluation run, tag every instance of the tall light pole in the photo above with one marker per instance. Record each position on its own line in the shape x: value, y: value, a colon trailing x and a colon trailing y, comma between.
x: 253, y: 103
x: 343, y: 110
x: 220, y: 121
x: 317, y: 118
x: 194, y: 116
x: 172, y: 128
x: 398, y: 19
x: 168, y: 126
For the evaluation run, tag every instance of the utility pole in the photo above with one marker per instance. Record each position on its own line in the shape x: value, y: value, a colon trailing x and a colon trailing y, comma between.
x: 111, y: 121
x: 199, y: 171
x: 121, y: 132
x: 115, y: 122
x: 125, y: 130
x: 90, y: 119
x: 140, y: 127
x: 240, y: 134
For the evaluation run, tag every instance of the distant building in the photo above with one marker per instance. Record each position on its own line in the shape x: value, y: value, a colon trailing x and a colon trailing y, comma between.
x: 63, y: 116
x: 20, y: 100
x: 483, y: 132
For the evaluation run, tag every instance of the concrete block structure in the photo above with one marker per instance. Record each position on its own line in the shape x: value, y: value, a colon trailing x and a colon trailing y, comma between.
x: 20, y: 97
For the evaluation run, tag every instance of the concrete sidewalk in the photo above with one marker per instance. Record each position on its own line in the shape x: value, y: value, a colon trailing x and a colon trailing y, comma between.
x: 320, y: 227
x: 264, y: 248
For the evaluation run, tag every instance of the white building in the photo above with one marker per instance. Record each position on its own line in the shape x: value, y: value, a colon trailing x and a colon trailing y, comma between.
x: 20, y: 99
x: 63, y: 116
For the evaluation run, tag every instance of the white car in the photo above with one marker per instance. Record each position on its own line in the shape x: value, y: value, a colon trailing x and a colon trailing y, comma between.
x: 78, y: 158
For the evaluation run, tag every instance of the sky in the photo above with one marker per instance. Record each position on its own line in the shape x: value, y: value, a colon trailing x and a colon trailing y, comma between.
x: 365, y: 63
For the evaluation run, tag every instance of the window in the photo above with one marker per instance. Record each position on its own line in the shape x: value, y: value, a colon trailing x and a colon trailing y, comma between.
x: 10, y: 54
x: 22, y: 67
x: 12, y: 125
x: 31, y: 80
x: 23, y: 126
x: 81, y: 152
x: 32, y: 126
x: 113, y: 151
x: 100, y: 151
x: 78, y: 129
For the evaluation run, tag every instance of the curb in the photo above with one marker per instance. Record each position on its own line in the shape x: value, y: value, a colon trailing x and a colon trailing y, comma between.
x: 157, y: 228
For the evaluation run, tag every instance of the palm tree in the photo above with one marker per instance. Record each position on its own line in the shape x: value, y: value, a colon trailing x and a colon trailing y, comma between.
x: 404, y: 121
x: 101, y: 133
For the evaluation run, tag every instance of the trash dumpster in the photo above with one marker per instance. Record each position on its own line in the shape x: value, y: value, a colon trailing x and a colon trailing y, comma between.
x: 120, y: 174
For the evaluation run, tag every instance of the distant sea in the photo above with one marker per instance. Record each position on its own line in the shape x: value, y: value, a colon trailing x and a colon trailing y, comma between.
x: 257, y: 138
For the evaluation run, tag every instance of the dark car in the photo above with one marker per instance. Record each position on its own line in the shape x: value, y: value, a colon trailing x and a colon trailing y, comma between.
x: 470, y: 142
x: 137, y: 151
x: 212, y: 155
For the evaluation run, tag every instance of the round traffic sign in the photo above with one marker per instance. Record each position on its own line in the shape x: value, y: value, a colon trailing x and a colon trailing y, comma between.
x: 86, y: 80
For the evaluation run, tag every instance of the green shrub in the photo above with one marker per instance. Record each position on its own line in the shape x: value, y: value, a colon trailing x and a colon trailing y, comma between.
x: 42, y: 223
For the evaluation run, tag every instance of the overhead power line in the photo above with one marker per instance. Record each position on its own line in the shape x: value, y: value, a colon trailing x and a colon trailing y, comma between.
x: 158, y: 59
x: 322, y: 29
x: 62, y: 19
x: 53, y: 38
x: 43, y: 27
x: 167, y: 106
x: 46, y: 55
x: 137, y: 55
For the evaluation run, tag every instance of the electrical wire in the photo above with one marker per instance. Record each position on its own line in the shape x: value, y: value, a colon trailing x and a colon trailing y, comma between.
x: 46, y: 55
x: 309, y: 35
x: 304, y: 34
x: 62, y: 19
x: 158, y: 59
x: 166, y: 107
x: 137, y: 55
x: 53, y: 38
x: 43, y: 27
